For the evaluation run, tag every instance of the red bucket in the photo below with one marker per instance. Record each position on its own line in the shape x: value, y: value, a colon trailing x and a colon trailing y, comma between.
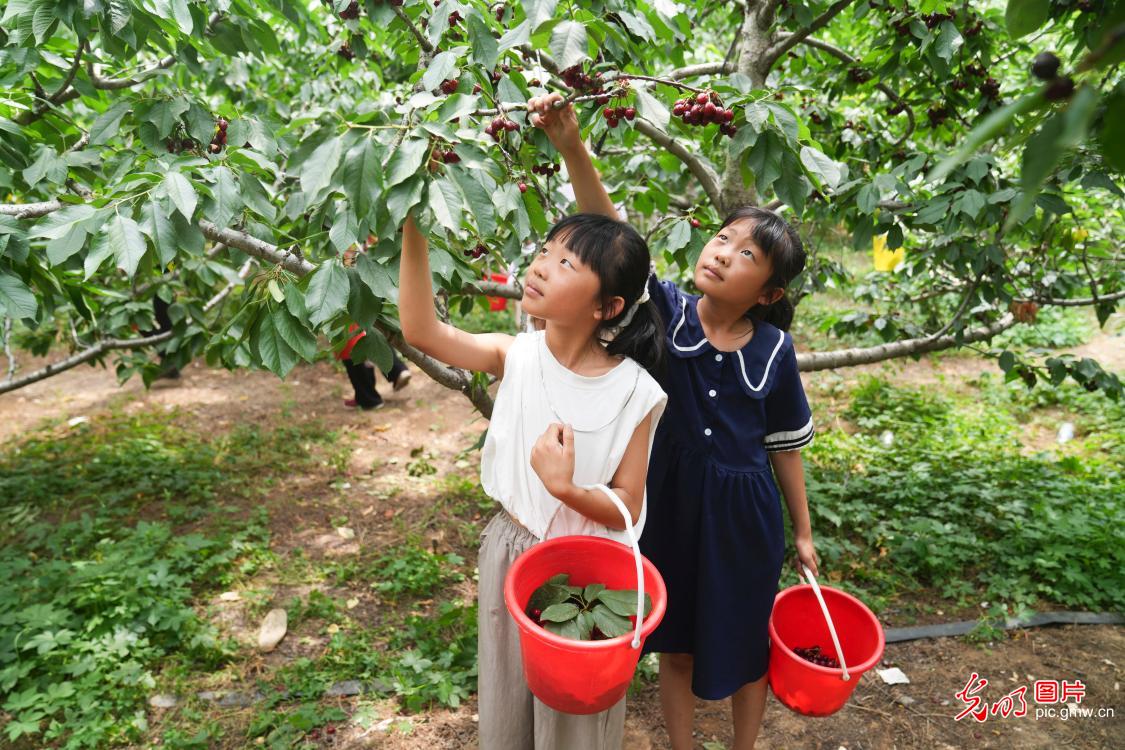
x: 496, y: 304
x: 798, y: 621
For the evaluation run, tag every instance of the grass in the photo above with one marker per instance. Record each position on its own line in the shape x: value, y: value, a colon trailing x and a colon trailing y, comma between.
x: 934, y: 493
x: 122, y: 530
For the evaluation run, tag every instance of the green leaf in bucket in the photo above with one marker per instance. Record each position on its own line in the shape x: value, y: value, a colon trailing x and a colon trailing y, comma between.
x: 610, y: 623
x: 568, y: 629
x: 624, y: 603
x: 590, y: 593
x: 560, y: 612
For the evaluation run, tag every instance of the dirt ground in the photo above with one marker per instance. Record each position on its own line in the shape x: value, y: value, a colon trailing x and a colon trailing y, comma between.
x: 382, y: 500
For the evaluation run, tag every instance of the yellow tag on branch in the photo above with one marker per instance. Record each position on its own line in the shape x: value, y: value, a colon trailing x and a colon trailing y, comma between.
x: 886, y: 260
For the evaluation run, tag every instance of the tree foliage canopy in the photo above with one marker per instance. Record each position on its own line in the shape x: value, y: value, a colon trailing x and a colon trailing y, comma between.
x: 182, y: 147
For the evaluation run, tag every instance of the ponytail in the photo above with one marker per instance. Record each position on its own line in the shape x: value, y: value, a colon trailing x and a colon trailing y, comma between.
x: 642, y: 338
x: 779, y: 314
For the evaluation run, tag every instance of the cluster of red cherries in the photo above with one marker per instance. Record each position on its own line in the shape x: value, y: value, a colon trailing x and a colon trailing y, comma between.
x: 812, y: 654
x: 614, y: 115
x: 706, y: 109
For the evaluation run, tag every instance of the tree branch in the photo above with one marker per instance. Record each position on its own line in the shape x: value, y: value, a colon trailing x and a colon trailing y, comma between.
x: 256, y: 247
x: 780, y: 47
x: 707, y: 177
x: 54, y: 98
x: 812, y: 361
x: 512, y: 290
x: 95, y: 351
x: 30, y: 210
x: 844, y: 56
x: 702, y: 69
x: 422, y: 40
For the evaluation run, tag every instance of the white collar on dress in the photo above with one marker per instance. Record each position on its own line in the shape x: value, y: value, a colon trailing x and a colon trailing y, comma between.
x: 697, y: 348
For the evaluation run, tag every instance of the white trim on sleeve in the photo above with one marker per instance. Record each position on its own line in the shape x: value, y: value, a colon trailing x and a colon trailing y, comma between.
x: 791, y: 440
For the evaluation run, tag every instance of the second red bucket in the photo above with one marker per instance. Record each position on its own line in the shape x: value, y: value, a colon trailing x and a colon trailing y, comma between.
x: 572, y: 676
x: 813, y: 615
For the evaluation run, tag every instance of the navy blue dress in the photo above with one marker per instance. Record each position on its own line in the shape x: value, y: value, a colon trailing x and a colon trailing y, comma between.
x: 715, y: 528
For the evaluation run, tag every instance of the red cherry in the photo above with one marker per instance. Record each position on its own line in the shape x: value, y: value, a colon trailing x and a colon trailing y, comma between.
x: 523, y: 187
x: 613, y: 122
x: 630, y: 113
x: 608, y: 113
x: 702, y: 98
x: 695, y: 223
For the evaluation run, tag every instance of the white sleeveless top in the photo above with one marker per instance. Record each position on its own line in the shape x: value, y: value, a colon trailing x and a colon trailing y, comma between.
x: 603, y: 410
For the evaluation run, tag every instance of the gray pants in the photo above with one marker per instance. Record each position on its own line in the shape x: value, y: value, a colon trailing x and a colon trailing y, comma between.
x: 511, y: 718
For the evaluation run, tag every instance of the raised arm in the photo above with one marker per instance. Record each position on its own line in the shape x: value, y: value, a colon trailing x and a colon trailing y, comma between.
x: 561, y: 127
x: 482, y: 352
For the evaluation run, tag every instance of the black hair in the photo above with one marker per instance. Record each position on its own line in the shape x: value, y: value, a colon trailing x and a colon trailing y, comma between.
x: 619, y: 256
x: 779, y: 241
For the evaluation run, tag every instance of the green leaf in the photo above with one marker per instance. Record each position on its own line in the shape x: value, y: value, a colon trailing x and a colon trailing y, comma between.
x: 126, y: 242
x: 585, y: 622
x: 948, y: 41
x: 60, y: 249
x: 226, y: 199
x: 376, y: 277
x: 440, y: 68
x: 99, y: 251
x: 971, y: 202
x: 485, y: 49
x: 568, y: 629
x: 406, y: 160
x: 328, y: 292
x: 480, y: 202
x: 42, y: 19
x: 156, y: 224
x: 119, y: 14
x: 678, y: 236
x: 294, y: 333
x: 182, y: 193
x: 183, y: 15
x: 568, y: 44
x: 107, y: 123
x: 623, y: 602
x: 560, y: 612
x: 609, y: 622
x: 403, y: 198
x: 254, y: 196
x: 1025, y: 16
x: 446, y: 202
x: 166, y: 114
x: 590, y: 593
x: 652, y: 109
x: 16, y: 299
x: 540, y: 11
x: 361, y: 179
x: 275, y: 353
x: 515, y: 37
x: 317, y: 170
x: 549, y: 593
x: 821, y: 165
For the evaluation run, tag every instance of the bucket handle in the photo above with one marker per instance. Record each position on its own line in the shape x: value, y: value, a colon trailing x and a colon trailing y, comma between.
x: 831, y: 628
x: 631, y: 532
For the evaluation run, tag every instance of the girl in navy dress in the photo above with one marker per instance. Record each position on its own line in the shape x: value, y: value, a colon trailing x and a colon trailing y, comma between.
x: 736, y: 408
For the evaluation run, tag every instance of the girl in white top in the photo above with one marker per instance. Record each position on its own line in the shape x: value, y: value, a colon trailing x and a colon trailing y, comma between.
x: 576, y: 407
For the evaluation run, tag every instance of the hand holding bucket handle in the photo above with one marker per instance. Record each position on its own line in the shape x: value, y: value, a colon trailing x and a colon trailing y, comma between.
x: 831, y: 627
x: 637, y: 559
